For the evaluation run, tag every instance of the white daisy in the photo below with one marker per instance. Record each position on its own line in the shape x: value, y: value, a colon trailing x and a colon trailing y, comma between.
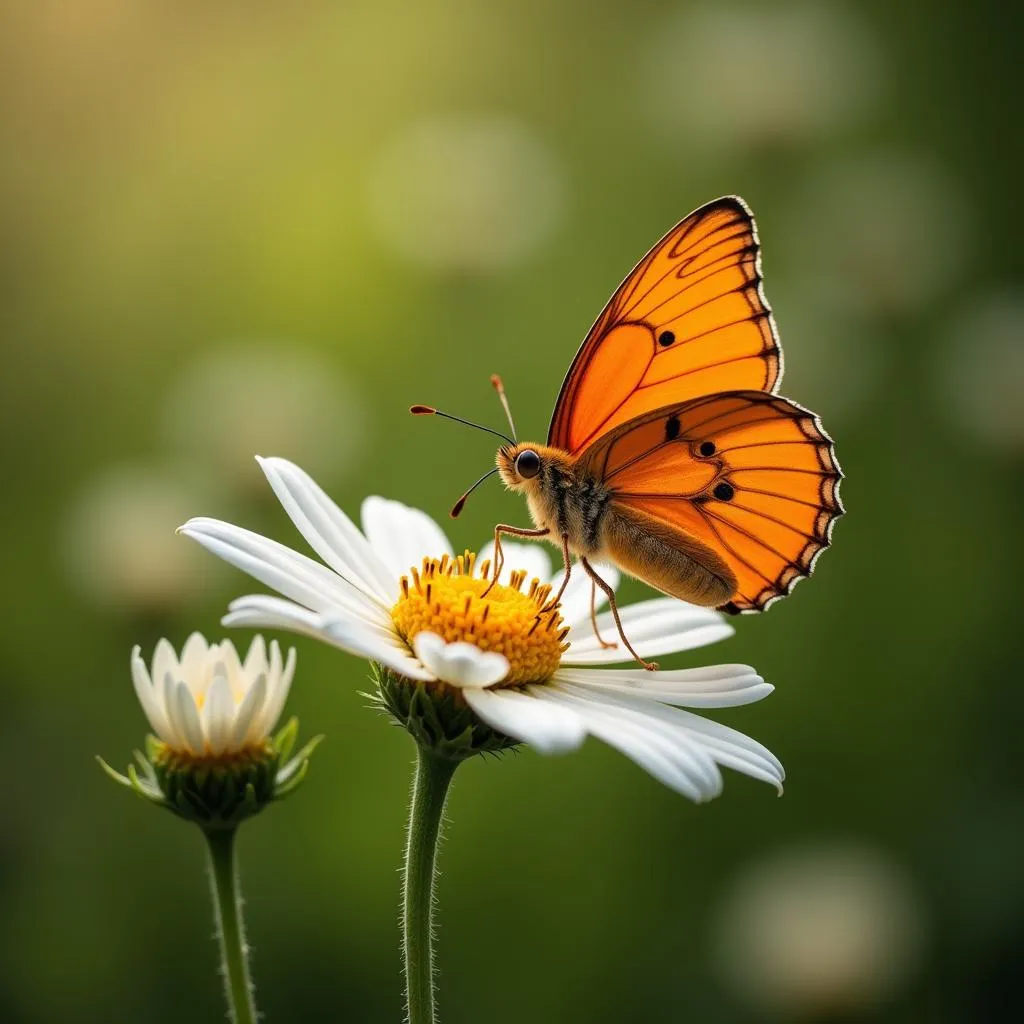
x: 208, y: 703
x: 397, y: 595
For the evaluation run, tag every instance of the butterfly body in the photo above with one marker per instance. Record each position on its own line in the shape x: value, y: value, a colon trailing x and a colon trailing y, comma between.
x: 569, y: 501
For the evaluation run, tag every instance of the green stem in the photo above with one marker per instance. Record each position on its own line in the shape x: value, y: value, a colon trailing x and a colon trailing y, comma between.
x: 227, y: 903
x: 429, y: 790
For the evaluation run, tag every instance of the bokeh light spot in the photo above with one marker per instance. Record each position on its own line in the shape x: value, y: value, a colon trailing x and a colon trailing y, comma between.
x: 466, y: 194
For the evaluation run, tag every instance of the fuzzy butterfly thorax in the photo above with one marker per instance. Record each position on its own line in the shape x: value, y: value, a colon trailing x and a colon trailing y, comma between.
x: 562, y: 496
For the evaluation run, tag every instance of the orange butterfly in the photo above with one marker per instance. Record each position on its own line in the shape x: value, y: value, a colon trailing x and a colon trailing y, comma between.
x: 670, y: 453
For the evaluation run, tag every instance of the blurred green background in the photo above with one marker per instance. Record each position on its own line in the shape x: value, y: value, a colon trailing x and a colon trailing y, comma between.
x: 231, y: 228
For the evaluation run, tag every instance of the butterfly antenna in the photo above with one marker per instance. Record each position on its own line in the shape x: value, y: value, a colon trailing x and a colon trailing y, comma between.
x: 500, y: 388
x: 429, y: 410
x: 458, y: 506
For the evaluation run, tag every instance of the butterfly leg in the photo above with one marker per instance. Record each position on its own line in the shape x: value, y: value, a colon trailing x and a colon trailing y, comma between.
x: 610, y: 594
x: 567, y: 559
x: 593, y: 616
x: 499, y: 555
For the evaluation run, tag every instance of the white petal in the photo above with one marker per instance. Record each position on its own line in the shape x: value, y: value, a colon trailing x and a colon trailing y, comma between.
x: 186, y: 718
x: 165, y: 659
x: 236, y: 674
x: 256, y: 658
x: 288, y: 672
x: 329, y: 532
x: 294, y: 575
x: 356, y: 639
x: 152, y: 703
x: 168, y: 687
x: 193, y: 654
x: 248, y: 711
x: 576, y: 599
x: 200, y: 673
x: 459, y: 664
x: 277, y: 694
x: 549, y: 728
x: 643, y: 732
x: 718, y: 686
x: 661, y: 626
x: 402, y: 536
x: 275, y: 659
x: 266, y: 612
x: 534, y: 558
x: 218, y: 714
x: 259, y: 611
x: 726, y: 746
x: 733, y: 749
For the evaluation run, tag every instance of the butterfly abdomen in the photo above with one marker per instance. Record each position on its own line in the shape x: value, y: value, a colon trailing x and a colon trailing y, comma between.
x: 661, y: 555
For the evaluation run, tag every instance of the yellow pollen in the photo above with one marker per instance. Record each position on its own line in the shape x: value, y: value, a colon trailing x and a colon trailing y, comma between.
x: 443, y: 596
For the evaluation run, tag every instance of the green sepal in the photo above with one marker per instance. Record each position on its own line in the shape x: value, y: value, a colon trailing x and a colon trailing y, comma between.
x: 291, y: 776
x: 437, y: 717
x: 285, y: 774
x: 147, y: 788
x: 146, y: 767
x: 285, y: 739
x: 154, y: 747
x: 291, y: 784
x: 121, y: 780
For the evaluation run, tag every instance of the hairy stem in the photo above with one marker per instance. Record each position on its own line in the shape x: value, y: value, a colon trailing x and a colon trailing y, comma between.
x: 227, y: 903
x: 429, y: 791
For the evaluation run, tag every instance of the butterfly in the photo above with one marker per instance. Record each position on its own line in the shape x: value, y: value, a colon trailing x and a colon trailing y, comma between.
x: 670, y: 452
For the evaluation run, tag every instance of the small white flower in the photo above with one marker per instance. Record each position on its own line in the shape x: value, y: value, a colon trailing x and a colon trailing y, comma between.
x: 397, y: 595
x: 208, y: 703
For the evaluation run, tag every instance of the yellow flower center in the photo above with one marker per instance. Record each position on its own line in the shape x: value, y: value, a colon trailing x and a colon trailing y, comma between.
x: 444, y: 597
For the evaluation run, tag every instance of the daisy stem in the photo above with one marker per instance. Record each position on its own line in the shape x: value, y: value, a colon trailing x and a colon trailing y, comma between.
x: 429, y: 791
x: 227, y: 904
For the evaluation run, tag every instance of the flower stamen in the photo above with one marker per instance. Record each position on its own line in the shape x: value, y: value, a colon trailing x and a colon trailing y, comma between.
x: 443, y: 596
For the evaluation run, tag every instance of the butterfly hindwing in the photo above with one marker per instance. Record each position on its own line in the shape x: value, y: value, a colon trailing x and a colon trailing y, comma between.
x: 690, y: 320
x: 749, y: 475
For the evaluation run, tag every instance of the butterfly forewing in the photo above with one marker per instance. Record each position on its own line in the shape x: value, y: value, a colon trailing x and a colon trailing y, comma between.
x: 690, y: 320
x: 748, y: 474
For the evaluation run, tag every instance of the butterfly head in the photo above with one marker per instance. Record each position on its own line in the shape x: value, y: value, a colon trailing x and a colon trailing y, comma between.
x: 518, y: 464
x: 523, y: 466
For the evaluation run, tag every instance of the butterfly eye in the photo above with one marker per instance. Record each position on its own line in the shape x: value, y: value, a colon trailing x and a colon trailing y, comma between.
x: 527, y: 463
